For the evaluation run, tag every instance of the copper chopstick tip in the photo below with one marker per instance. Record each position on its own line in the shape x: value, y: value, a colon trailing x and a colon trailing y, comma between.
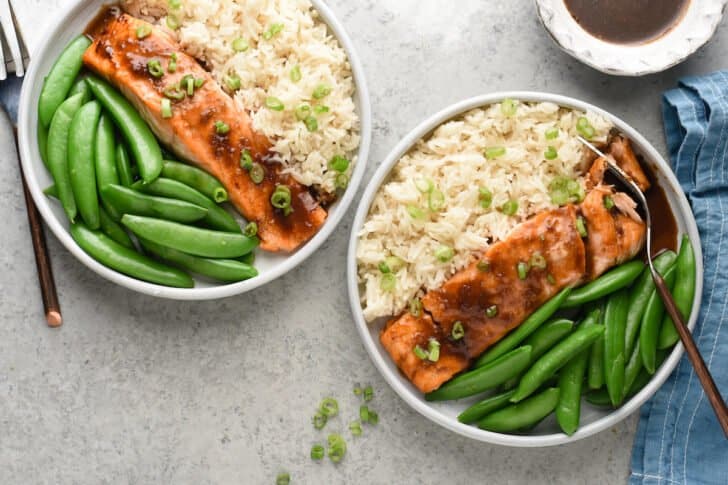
x: 54, y: 318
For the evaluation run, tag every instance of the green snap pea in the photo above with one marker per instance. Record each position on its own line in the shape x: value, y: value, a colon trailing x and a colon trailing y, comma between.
x: 683, y: 293
x: 81, y: 87
x: 247, y: 258
x: 112, y: 229
x: 523, y: 414
x: 643, y: 377
x: 81, y: 169
x: 651, y: 321
x: 123, y: 166
x: 513, y: 339
x: 105, y: 153
x: 595, y: 368
x: 60, y: 78
x: 555, y: 359
x: 227, y: 270
x: 483, y: 378
x: 606, y: 284
x: 58, y: 153
x: 632, y: 369
x: 51, y: 191
x: 195, y: 178
x: 125, y: 260
x: 216, y: 217
x: 128, y: 201
x: 571, y: 378
x: 43, y: 144
x: 479, y: 410
x: 190, y: 239
x: 640, y: 294
x: 599, y: 397
x: 141, y: 140
x: 615, y: 316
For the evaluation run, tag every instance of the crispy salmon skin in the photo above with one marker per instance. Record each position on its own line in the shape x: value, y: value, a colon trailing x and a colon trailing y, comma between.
x: 121, y: 56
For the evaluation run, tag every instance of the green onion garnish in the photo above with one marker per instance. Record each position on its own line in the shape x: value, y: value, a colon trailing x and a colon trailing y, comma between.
x: 550, y: 153
x: 240, y: 45
x: 581, y: 227
x: 172, y: 65
x: 391, y: 264
x: 364, y: 413
x: 585, y: 128
x: 174, y: 92
x: 337, y: 448
x: 319, y: 420
x: 251, y: 229
x: 537, y: 261
x: 550, y: 278
x: 494, y: 152
x: 330, y: 407
x: 483, y: 266
x: 166, y: 108
x: 357, y: 391
x: 510, y: 207
x: 246, y: 160
x: 551, y: 133
x: 355, y: 428
x: 491, y: 311
x: 433, y: 350
x: 318, y: 109
x: 221, y: 128
x: 257, y: 173
x: 424, y: 185
x: 233, y: 82
x: 317, y: 452
x: 281, y: 199
x: 415, y: 212
x: 458, y: 331
x: 189, y: 83
x: 199, y: 82
x: 174, y: 4
x: 373, y: 417
x: 283, y: 479
x: 522, y: 270
x: 608, y: 202
x: 341, y: 181
x: 296, y: 73
x: 420, y: 352
x: 321, y: 91
x: 274, y: 103
x: 172, y: 22
x: 435, y: 200
x: 486, y: 197
x: 155, y: 68
x: 415, y: 307
x: 384, y: 268
x: 368, y: 393
x: 444, y: 253
x: 143, y: 31
x: 508, y: 107
x: 388, y: 282
x: 559, y: 196
x: 311, y: 123
x: 272, y: 31
x: 339, y: 163
x: 302, y: 112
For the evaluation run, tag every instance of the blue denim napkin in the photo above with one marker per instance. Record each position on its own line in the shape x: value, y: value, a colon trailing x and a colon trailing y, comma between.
x: 9, y: 95
x: 678, y: 439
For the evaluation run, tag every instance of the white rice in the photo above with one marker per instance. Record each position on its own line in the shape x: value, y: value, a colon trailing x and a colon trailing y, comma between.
x: 208, y: 29
x: 453, y: 158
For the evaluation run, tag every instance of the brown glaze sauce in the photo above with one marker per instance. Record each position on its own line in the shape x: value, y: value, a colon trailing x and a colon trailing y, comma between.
x: 627, y: 21
x: 664, y: 226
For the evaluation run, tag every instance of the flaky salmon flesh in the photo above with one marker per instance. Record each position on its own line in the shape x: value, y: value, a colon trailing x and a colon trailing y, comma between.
x: 121, y: 56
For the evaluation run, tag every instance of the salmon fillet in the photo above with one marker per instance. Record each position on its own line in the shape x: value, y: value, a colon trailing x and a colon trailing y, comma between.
x: 121, y: 57
x: 466, y: 297
x: 620, y: 149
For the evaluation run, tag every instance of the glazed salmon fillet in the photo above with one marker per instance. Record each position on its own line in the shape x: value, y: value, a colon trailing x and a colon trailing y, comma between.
x: 121, y: 57
x: 549, y: 242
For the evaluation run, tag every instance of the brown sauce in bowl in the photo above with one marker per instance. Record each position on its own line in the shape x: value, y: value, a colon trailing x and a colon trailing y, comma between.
x: 627, y: 21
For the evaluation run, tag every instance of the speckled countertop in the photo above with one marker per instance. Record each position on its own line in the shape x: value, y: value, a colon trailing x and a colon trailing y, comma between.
x: 138, y: 390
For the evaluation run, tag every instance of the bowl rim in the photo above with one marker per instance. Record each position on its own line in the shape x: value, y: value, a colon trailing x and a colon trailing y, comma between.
x: 392, y: 377
x: 27, y: 118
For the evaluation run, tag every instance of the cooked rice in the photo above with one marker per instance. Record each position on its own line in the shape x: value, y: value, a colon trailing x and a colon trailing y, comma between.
x: 453, y: 158
x: 208, y: 29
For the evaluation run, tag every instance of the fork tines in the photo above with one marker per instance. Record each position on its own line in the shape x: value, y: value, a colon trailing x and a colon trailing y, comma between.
x: 11, y: 43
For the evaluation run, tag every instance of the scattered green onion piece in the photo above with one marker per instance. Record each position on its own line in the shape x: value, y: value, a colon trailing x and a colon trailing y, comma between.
x: 233, y: 82
x: 550, y: 153
x: 355, y: 428
x: 321, y: 91
x: 373, y: 417
x: 388, y: 282
x: 246, y: 160
x: 415, y: 307
x: 538, y: 261
x: 190, y: 83
x: 391, y: 264
x: 257, y: 173
x: 486, y: 197
x: 251, y: 229
x: 330, y: 407
x: 155, y: 68
x: 368, y: 393
x: 510, y: 207
x: 174, y: 92
x: 172, y: 22
x: 302, y: 112
x: 172, y: 65
x: 444, y: 253
x: 311, y: 123
x: 221, y: 128
x: 384, y: 268
x: 420, y: 352
x: 320, y: 108
x: 491, y: 311
x: 274, y: 103
x: 174, y: 4
x: 143, y: 31
x: 550, y: 278
x: 364, y: 410
x: 283, y: 479
x: 317, y: 452
x: 522, y: 270
x: 415, y: 212
x: 433, y: 350
x: 608, y: 202
x: 357, y: 391
x: 272, y: 31
x: 585, y: 128
x: 551, y: 133
x: 240, y: 45
x: 424, y: 185
x: 339, y: 163
x: 319, y: 420
x: 559, y: 196
x: 296, y: 73
x: 581, y: 227
x: 199, y: 82
x: 494, y: 152
x: 281, y: 199
x: 458, y: 331
x: 341, y: 181
x: 508, y: 107
x: 337, y: 448
x: 435, y: 200
x: 483, y: 266
x: 166, y: 108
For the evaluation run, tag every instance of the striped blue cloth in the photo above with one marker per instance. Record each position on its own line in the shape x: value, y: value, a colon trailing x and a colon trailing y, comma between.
x: 678, y: 439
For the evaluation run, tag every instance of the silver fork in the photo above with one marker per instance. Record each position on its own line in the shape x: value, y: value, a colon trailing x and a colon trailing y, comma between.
x: 14, y: 53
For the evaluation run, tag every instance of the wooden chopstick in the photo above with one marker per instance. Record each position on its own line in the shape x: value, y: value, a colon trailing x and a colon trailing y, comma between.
x: 42, y: 261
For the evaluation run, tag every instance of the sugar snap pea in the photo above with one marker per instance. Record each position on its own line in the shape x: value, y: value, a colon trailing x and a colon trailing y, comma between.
x: 523, y: 414
x: 555, y: 359
x: 125, y: 260
x: 595, y: 367
x: 227, y: 270
x: 599, y: 397
x: 529, y: 325
x: 247, y: 258
x: 112, y: 229
x: 43, y: 144
x: 606, y: 284
x: 123, y: 166
x: 640, y: 294
x: 60, y: 78
x: 483, y: 378
x: 58, y: 153
x: 683, y: 293
x: 651, y: 321
x: 479, y: 410
x: 615, y: 315
x: 80, y: 86
x: 571, y: 378
x: 129, y: 201
x: 216, y: 217
x: 195, y: 178
x: 105, y: 154
x: 137, y: 134
x: 81, y: 167
x: 190, y: 239
x: 51, y: 191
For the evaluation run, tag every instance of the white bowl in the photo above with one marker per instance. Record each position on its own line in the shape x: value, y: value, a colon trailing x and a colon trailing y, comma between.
x: 694, y: 29
x: 70, y: 23
x: 445, y: 414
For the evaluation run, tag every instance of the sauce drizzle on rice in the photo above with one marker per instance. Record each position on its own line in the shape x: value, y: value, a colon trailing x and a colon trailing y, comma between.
x: 453, y: 161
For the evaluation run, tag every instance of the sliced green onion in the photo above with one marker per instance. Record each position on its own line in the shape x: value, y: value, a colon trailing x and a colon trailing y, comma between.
x: 424, y: 185
x: 341, y: 181
x: 246, y: 160
x: 364, y: 410
x: 388, y: 282
x: 283, y: 479
x: 143, y: 31
x: 608, y: 202
x: 415, y: 307
x: 483, y: 266
x: 522, y: 270
x: 509, y: 106
x: 585, y: 128
x: 491, y: 311
x: 538, y: 261
x: 199, y: 82
x: 486, y: 197
x: 458, y: 331
x: 311, y: 123
x: 391, y: 264
x: 272, y: 31
x: 368, y: 393
x: 551, y: 133
x: 233, y: 82
x: 420, y: 353
x: 257, y: 173
x: 330, y: 407
x: 174, y: 4
x: 251, y: 229
x: 373, y: 417
x: 415, y: 212
x: 172, y: 22
x: 296, y: 73
x: 221, y: 128
x: 435, y: 200
x: 166, y: 108
x: 274, y: 103
x: 494, y: 152
x: 581, y: 227
x: 172, y: 65
x: 337, y: 448
x: 550, y: 153
x: 174, y: 92
x: 444, y: 253
x: 319, y: 420
x: 550, y: 278
x: 320, y: 108
x: 357, y: 391
x: 355, y: 428
x: 155, y: 68
x: 384, y: 267
x: 339, y: 163
x: 189, y: 82
x: 321, y: 91
x: 559, y: 196
x: 510, y: 207
x: 317, y: 452
x: 303, y: 111
x: 281, y: 199
x: 433, y: 350
x: 240, y: 45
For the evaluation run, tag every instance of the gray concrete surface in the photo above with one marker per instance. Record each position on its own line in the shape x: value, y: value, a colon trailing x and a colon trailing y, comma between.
x: 138, y: 390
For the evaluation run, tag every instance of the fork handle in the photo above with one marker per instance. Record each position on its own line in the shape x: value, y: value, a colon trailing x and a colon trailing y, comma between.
x: 711, y: 390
